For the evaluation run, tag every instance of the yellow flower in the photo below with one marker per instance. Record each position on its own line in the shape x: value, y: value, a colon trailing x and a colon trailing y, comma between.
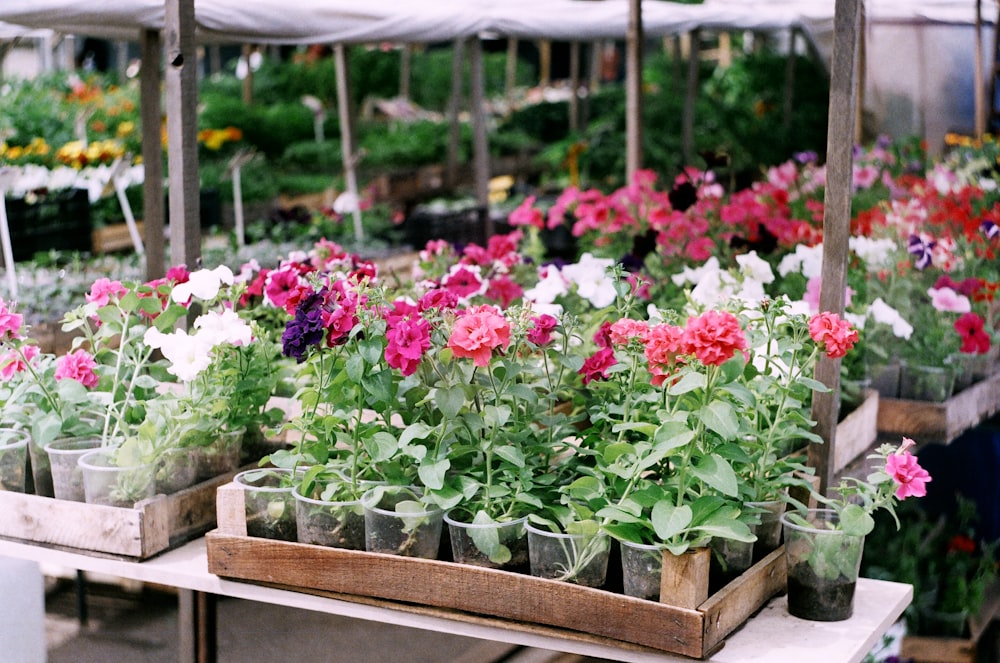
x: 126, y: 128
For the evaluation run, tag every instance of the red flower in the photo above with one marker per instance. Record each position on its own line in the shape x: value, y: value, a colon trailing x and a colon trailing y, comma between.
x: 714, y: 337
x: 835, y: 334
x: 596, y: 365
x: 961, y: 544
x: 974, y: 339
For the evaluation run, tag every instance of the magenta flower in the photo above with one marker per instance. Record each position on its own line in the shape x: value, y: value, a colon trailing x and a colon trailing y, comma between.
x: 13, y: 362
x: 408, y: 339
x: 527, y: 215
x: 505, y: 290
x: 540, y: 332
x: 438, y: 299
x: 79, y: 366
x: 464, y: 281
x: 912, y: 479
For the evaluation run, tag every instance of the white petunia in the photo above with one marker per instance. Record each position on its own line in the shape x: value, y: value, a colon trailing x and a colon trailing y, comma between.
x: 204, y: 284
x: 549, y: 287
x: 876, y: 253
x: 753, y: 267
x: 887, y: 315
x: 593, y: 283
x: 689, y: 275
x: 225, y: 327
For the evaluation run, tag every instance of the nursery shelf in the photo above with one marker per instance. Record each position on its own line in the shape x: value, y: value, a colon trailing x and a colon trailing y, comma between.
x: 928, y: 422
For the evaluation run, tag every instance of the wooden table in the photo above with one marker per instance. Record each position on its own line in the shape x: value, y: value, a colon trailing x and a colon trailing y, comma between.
x: 772, y: 636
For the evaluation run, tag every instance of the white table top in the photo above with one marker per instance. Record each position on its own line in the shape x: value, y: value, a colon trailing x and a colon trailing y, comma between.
x: 772, y: 636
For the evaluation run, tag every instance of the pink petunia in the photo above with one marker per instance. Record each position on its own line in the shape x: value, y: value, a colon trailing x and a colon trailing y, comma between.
x: 408, y: 339
x: 907, y: 473
x: 596, y: 366
x: 79, y: 366
x: 971, y: 328
x: 10, y: 322
x: 505, y: 290
x: 13, y: 362
x: 540, y: 332
x: 947, y: 300
x: 714, y: 337
x: 103, y: 289
x: 664, y: 347
x: 624, y: 330
x: 837, y: 336
x: 478, y: 333
x: 527, y: 215
x: 464, y: 281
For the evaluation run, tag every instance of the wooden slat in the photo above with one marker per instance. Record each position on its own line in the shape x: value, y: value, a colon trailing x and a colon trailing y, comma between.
x: 940, y: 422
x: 938, y: 650
x: 857, y: 432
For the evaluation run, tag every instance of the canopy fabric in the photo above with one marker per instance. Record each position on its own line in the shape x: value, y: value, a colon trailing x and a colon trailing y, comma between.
x: 354, y: 21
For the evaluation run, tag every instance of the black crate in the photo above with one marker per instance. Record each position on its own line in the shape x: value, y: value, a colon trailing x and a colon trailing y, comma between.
x: 59, y: 221
x: 459, y: 227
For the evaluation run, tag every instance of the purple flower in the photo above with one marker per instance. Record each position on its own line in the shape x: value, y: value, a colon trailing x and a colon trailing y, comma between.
x: 305, y: 329
x: 806, y: 157
x: 921, y: 250
x: 990, y: 229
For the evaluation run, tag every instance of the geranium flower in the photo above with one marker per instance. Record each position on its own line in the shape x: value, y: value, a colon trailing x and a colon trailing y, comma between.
x: 836, y: 335
x: 947, y: 300
x: 974, y: 338
x: 102, y: 290
x: 714, y: 337
x: 595, y: 367
x: 478, y: 333
x: 78, y: 365
x: 408, y: 339
x: 911, y: 479
x: 540, y: 331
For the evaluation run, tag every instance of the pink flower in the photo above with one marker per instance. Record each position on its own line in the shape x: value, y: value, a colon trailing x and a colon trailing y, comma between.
x: 13, y: 362
x: 664, y: 345
x: 596, y: 366
x: 624, y: 330
x: 947, y: 300
x: 280, y: 283
x: 504, y: 290
x: 78, y: 366
x: 438, y: 299
x: 408, y: 339
x: 478, y: 333
x: 714, y: 337
x: 835, y: 334
x: 540, y: 332
x: 103, y: 289
x: 10, y: 322
x: 527, y: 215
x: 905, y: 471
x: 464, y: 281
x: 974, y: 338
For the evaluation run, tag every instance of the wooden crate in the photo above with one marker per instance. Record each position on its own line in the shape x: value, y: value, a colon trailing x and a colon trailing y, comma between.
x: 150, y: 527
x: 857, y: 432
x: 921, y: 649
x: 940, y: 422
x: 473, y: 594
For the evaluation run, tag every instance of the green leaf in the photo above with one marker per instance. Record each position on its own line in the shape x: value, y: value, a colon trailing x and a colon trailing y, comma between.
x: 855, y: 521
x: 511, y: 454
x: 355, y: 368
x: 381, y: 446
x: 720, y: 417
x: 415, y: 431
x: 688, y: 383
x: 449, y: 400
x: 717, y: 473
x: 669, y: 520
x: 432, y: 473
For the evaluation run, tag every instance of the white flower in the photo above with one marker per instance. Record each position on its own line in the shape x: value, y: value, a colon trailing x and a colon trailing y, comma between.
x: 346, y: 203
x: 226, y: 327
x: 203, y: 284
x: 688, y: 275
x: 876, y: 253
x: 753, y: 267
x: 593, y: 283
x: 881, y: 312
x: 714, y: 288
x: 188, y: 355
x: 551, y: 285
x: 807, y: 259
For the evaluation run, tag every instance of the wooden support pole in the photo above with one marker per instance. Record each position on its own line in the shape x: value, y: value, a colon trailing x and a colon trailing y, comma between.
x: 182, y: 133
x: 405, y: 68
x: 480, y: 146
x: 836, y: 223
x: 690, y: 95
x: 544, y: 63
x: 574, y: 86
x: 151, y: 114
x: 633, y: 90
x: 454, y: 106
x: 510, y: 72
x: 348, y: 151
x: 248, y: 78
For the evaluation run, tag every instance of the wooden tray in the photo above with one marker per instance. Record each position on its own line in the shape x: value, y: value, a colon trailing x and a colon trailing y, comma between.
x: 940, y: 422
x: 467, y: 593
x: 857, y: 432
x: 150, y: 527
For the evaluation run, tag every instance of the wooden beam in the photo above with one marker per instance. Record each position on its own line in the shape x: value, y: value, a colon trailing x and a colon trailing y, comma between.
x: 348, y: 152
x: 574, y: 86
x: 633, y: 90
x: 151, y: 117
x: 480, y: 145
x: 182, y: 133
x: 405, y: 67
x: 836, y: 222
x: 544, y: 63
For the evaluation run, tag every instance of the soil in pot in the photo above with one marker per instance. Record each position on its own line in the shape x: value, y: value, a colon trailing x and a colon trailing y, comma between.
x: 819, y: 599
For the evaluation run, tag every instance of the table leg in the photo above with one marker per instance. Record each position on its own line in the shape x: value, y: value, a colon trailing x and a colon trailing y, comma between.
x: 196, y: 616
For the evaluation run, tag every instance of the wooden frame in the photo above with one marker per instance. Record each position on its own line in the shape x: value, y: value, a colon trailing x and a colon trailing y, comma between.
x: 940, y: 422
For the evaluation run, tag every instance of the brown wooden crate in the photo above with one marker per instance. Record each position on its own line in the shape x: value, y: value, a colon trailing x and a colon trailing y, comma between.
x: 149, y: 528
x: 857, y: 432
x: 472, y: 591
x: 938, y: 650
x: 940, y: 422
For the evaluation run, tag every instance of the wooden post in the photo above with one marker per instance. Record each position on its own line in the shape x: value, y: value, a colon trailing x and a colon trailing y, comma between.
x: 544, y: 63
x: 151, y: 115
x: 405, y: 67
x: 510, y: 72
x: 480, y: 146
x: 248, y: 79
x: 633, y: 90
x: 454, y: 105
x: 574, y: 86
x: 684, y: 579
x: 836, y: 223
x: 182, y: 133
x: 690, y: 94
x: 348, y: 152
